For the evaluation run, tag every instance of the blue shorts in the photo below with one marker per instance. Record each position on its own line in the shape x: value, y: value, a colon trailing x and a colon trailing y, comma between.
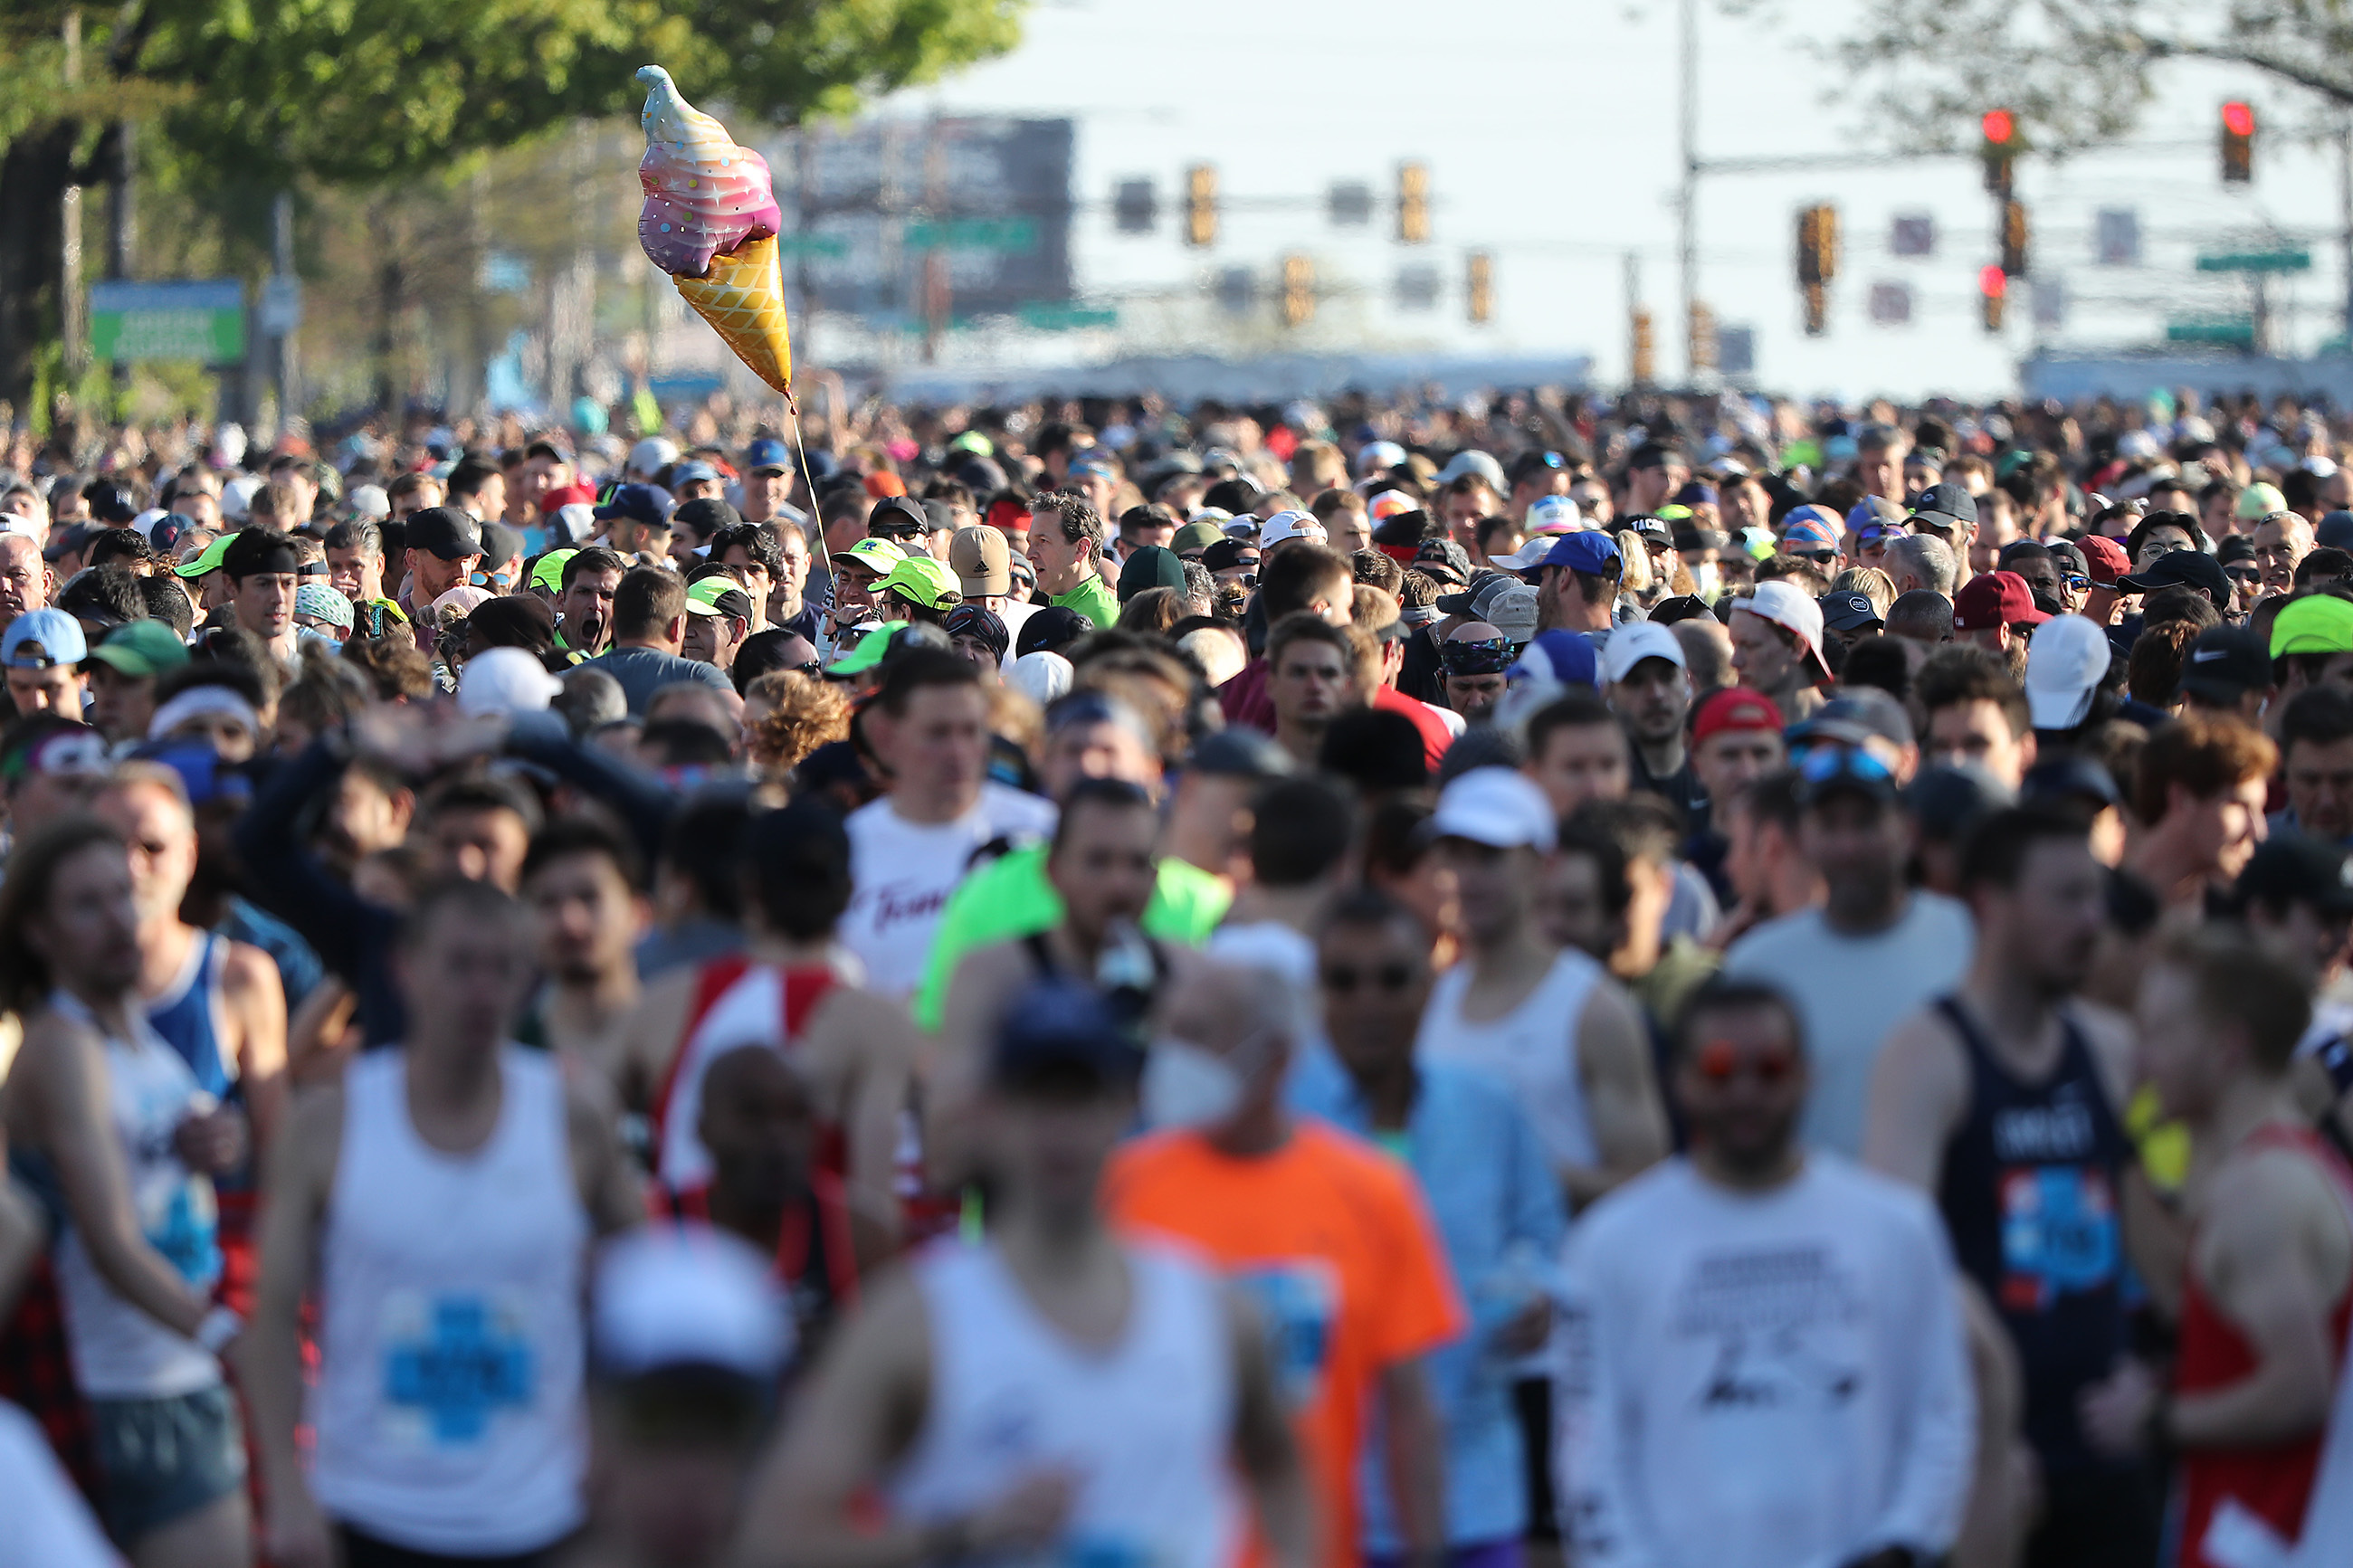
x: 162, y: 1459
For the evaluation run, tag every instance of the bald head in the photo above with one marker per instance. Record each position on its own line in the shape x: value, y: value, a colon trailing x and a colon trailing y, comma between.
x: 1473, y: 631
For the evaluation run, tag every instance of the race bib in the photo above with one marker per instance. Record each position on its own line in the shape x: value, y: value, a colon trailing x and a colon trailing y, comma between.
x: 451, y: 1363
x: 2059, y: 1234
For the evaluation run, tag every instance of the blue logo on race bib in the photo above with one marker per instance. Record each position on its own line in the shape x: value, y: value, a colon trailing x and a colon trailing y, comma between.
x: 457, y: 1368
x: 187, y: 1232
x: 2058, y: 1234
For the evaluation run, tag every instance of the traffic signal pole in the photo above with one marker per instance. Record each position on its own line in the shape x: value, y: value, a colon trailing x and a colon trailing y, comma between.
x: 1687, y: 207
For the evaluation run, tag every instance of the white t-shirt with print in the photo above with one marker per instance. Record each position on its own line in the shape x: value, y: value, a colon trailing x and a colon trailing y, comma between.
x: 901, y: 873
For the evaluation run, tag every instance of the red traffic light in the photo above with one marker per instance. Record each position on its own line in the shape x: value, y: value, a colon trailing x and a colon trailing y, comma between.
x: 1999, y: 126
x: 1993, y: 283
x: 2239, y: 119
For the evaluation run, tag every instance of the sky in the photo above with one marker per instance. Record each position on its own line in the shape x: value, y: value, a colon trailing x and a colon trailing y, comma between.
x: 1549, y: 133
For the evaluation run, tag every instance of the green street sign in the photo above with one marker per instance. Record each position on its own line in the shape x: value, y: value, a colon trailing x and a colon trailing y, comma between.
x: 204, y: 322
x: 970, y: 234
x: 2233, y: 331
x: 2257, y: 261
x: 1068, y: 318
x: 831, y: 247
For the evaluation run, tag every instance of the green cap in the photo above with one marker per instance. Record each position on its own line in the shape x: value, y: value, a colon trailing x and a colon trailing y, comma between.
x: 868, y: 653
x: 2258, y: 501
x: 142, y: 649
x: 920, y: 580
x: 1675, y: 514
x: 703, y: 598
x: 2321, y: 624
x: 975, y: 442
x: 877, y: 555
x: 209, y: 561
x: 549, y: 573
x: 1196, y: 536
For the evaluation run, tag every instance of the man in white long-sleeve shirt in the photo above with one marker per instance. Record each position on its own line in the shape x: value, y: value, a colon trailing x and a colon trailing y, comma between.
x: 1764, y: 1365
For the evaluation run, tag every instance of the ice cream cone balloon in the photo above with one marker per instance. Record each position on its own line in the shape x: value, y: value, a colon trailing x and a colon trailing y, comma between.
x: 711, y: 222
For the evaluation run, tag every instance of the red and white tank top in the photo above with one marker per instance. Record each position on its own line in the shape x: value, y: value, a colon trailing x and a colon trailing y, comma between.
x: 736, y: 1003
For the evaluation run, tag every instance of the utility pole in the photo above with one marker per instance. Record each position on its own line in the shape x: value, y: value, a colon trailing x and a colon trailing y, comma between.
x: 1687, y: 206
x: 72, y: 322
x: 2345, y: 216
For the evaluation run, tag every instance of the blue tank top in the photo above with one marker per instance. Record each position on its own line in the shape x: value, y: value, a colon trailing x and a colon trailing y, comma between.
x: 189, y: 1016
x: 2032, y: 1183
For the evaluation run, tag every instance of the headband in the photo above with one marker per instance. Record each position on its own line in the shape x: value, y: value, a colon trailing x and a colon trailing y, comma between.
x: 202, y: 703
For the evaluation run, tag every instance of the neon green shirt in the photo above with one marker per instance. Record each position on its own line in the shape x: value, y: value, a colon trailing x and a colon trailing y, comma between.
x: 1011, y: 897
x: 1092, y: 600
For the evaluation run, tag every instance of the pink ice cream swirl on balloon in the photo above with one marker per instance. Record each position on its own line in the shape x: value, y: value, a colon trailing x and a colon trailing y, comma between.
x: 705, y: 194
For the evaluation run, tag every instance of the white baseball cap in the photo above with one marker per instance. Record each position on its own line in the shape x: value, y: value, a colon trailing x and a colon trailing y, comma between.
x: 1789, y: 608
x: 1554, y: 514
x: 1287, y: 525
x: 1631, y: 644
x: 1470, y: 460
x: 505, y: 680
x: 1499, y: 807
x: 1379, y: 456
x: 2065, y: 666
x: 686, y: 1296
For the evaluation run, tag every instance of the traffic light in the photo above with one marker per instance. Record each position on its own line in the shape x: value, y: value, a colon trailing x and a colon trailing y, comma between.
x: 2014, y: 238
x: 1993, y: 290
x: 1817, y: 245
x: 1817, y: 259
x: 1298, y: 291
x: 1413, y: 203
x: 1201, y: 205
x: 2238, y: 143
x: 1644, y: 349
x: 1480, y: 288
x: 1700, y: 338
x: 2001, y: 150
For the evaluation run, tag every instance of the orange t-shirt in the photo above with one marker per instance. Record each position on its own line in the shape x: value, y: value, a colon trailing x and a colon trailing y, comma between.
x: 1332, y: 1241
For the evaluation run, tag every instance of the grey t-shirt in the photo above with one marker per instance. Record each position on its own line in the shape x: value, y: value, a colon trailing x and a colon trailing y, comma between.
x: 1850, y: 991
x: 642, y: 671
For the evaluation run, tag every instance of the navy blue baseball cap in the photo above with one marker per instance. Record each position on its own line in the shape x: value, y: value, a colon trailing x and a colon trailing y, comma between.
x: 1593, y: 552
x: 647, y: 504
x: 767, y: 456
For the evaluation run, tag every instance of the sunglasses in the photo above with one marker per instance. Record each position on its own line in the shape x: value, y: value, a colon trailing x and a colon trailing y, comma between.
x: 1825, y: 763
x: 1344, y: 979
x: 1721, y: 1061
x: 1819, y: 557
x: 2075, y: 582
x: 2243, y: 573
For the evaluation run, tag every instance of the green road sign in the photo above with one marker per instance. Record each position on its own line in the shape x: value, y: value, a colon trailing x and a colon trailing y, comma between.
x: 204, y: 322
x: 2233, y: 331
x: 831, y: 247
x: 1068, y: 318
x: 971, y: 234
x: 2257, y: 261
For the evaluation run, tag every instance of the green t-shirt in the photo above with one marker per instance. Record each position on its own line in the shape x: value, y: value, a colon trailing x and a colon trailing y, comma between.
x: 1092, y: 600
x: 1011, y: 897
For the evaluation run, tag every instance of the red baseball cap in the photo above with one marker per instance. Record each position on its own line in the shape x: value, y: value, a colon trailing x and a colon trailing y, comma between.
x: 1995, y: 599
x: 2106, y: 556
x: 1734, y: 708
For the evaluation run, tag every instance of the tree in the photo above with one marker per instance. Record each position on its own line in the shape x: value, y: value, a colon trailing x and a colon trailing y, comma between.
x: 2077, y: 71
x: 369, y: 92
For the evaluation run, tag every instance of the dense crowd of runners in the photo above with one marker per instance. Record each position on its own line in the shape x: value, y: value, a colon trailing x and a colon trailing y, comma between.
x: 1682, y: 983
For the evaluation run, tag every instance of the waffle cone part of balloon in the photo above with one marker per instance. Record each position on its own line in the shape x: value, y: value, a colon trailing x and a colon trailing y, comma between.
x: 743, y: 301
x: 706, y: 196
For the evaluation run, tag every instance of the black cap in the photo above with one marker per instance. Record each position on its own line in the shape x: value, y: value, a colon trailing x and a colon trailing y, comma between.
x: 2225, y: 663
x: 897, y: 518
x: 110, y: 503
x: 1945, y: 505
x: 1681, y: 607
x: 501, y: 543
x: 2070, y: 556
x: 1649, y: 530
x: 1444, y: 560
x: 2233, y: 547
x: 2070, y: 778
x: 258, y: 553
x: 445, y: 531
x: 705, y: 516
x: 2297, y: 868
x: 1701, y: 539
x: 1240, y: 755
x: 1848, y: 612
x: 1226, y: 555
x: 1050, y: 629
x: 1057, y: 1033
x: 2183, y: 569
x: 1948, y: 801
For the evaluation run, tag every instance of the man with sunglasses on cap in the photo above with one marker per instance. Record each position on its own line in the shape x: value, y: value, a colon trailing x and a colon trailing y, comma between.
x: 1474, y: 659
x: 1754, y: 1301
x: 1491, y: 1190
x: 1875, y: 952
x: 2003, y: 1101
x: 1057, y: 1390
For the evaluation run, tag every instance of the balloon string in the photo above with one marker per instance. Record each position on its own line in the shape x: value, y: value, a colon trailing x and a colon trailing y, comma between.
x: 800, y: 452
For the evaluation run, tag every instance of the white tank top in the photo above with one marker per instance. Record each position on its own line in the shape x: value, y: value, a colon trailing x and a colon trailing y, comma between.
x: 118, y: 1351
x: 1146, y: 1426
x: 1532, y: 1048
x: 449, y: 1405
